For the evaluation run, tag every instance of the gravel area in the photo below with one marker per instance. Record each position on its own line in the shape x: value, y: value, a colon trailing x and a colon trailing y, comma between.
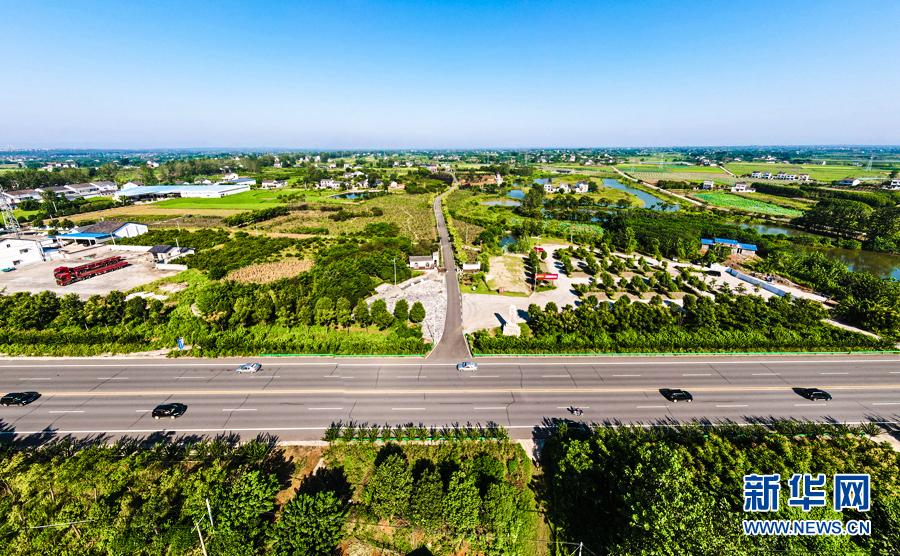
x: 430, y: 290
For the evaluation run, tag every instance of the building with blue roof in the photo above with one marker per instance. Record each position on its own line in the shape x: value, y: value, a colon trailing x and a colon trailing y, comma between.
x: 737, y: 248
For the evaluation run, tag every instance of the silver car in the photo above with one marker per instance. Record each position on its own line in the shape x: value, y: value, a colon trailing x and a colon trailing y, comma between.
x: 249, y: 368
x: 467, y: 366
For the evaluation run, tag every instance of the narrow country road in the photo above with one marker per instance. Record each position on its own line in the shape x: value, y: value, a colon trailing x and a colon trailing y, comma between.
x: 452, y: 347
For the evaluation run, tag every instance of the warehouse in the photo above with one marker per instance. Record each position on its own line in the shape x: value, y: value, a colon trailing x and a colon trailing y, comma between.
x: 155, y: 192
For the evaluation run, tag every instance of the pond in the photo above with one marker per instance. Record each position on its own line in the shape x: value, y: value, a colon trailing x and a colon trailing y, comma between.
x: 879, y: 264
x: 768, y: 229
x: 516, y: 194
x: 502, y: 203
x: 349, y: 195
x: 649, y: 200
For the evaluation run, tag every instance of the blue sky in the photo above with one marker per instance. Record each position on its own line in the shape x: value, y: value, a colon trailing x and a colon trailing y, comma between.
x: 358, y: 74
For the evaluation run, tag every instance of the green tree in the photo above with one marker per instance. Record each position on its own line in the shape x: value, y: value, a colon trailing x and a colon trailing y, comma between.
x: 361, y: 314
x: 425, y: 507
x: 310, y: 525
x: 462, y: 502
x: 380, y: 315
x: 401, y: 310
x: 324, y: 311
x: 342, y: 312
x: 417, y: 313
x: 387, y: 492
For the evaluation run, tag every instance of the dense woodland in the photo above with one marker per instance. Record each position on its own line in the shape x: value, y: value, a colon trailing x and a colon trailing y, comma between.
x: 151, y: 500
x: 662, y: 491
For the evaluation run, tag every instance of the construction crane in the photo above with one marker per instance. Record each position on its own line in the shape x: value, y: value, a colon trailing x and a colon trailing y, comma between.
x: 10, y: 222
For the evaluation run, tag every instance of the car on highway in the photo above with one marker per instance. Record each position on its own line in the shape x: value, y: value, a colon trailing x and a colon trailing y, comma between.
x: 676, y: 395
x: 19, y: 398
x: 467, y: 366
x: 249, y: 368
x: 170, y: 410
x: 815, y: 394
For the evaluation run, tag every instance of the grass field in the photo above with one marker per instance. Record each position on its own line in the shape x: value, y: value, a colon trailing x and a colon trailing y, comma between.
x: 815, y: 171
x: 729, y: 200
x: 250, y: 200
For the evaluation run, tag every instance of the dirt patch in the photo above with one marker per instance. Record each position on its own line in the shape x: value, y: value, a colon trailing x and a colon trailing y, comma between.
x: 304, y: 459
x: 173, y: 287
x: 269, y: 272
x: 508, y: 272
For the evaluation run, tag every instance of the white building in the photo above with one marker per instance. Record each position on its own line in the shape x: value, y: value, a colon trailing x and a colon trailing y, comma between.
x: 582, y: 187
x: 741, y: 187
x: 16, y: 252
x: 416, y: 262
x: 850, y: 181
x: 13, y: 198
x: 115, y: 228
x: 192, y: 191
x: 548, y: 188
x: 895, y: 184
x: 708, y: 184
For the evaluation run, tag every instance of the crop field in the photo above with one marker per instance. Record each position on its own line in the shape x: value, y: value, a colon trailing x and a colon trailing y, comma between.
x: 263, y: 273
x: 413, y: 214
x: 815, y: 171
x: 728, y: 200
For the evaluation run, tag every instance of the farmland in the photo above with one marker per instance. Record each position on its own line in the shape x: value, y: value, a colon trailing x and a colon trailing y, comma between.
x: 728, y: 200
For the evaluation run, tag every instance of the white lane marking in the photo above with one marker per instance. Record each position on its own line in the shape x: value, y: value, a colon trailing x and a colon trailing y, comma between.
x: 894, y: 373
x: 71, y: 411
x: 651, y: 406
x: 407, y: 409
x: 177, y: 377
x: 312, y: 408
x: 35, y: 379
x: 765, y: 374
x: 238, y: 410
x: 112, y: 378
x: 626, y: 375
x: 335, y: 376
x: 484, y: 376
x: 556, y: 376
x: 834, y: 373
x: 579, y: 407
x: 887, y: 403
x: 731, y: 406
x: 697, y: 374
x: 806, y: 404
x: 502, y: 407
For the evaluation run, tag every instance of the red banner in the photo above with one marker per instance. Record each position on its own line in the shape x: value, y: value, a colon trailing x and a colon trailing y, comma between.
x: 547, y: 276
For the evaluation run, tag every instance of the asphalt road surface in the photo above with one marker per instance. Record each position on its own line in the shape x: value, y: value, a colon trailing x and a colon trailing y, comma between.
x: 295, y: 399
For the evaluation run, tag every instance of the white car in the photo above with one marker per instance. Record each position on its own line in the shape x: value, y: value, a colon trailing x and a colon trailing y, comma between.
x: 467, y: 366
x: 249, y: 368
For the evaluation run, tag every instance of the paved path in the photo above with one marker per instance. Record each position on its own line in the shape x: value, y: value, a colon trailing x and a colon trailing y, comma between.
x: 453, y: 346
x: 296, y: 398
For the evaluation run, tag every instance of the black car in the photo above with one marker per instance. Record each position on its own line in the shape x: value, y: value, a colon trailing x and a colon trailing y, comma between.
x: 675, y: 395
x: 19, y: 398
x: 170, y: 410
x: 815, y: 394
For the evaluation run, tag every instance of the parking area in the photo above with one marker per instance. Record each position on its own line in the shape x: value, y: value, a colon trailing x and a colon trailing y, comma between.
x: 39, y: 277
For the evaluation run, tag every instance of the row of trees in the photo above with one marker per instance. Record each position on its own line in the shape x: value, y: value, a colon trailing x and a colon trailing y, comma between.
x: 703, y: 324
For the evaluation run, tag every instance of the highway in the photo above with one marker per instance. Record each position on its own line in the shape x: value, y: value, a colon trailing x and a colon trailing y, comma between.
x: 295, y: 399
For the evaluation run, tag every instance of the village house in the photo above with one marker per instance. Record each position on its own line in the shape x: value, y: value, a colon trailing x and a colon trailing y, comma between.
x: 425, y: 261
x: 203, y: 181
x: 329, y: 184
x: 895, y: 184
x: 803, y: 177
x: 708, y: 184
x: 548, y: 188
x: 272, y: 184
x: 22, y: 251
x: 582, y: 187
x: 741, y: 187
x: 563, y: 187
x: 165, y: 253
x: 13, y: 198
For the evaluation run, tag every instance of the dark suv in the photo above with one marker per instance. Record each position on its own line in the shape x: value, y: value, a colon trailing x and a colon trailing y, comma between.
x: 19, y: 398
x: 815, y: 394
x: 675, y: 395
x: 170, y: 410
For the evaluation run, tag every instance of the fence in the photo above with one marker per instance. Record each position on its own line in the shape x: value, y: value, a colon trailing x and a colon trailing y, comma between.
x: 764, y: 285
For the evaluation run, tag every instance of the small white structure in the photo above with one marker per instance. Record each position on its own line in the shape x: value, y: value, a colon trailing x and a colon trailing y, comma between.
x: 425, y: 261
x: 708, y: 184
x: 510, y: 328
x: 548, y: 188
x: 849, y: 181
x: 895, y: 184
x: 582, y: 187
